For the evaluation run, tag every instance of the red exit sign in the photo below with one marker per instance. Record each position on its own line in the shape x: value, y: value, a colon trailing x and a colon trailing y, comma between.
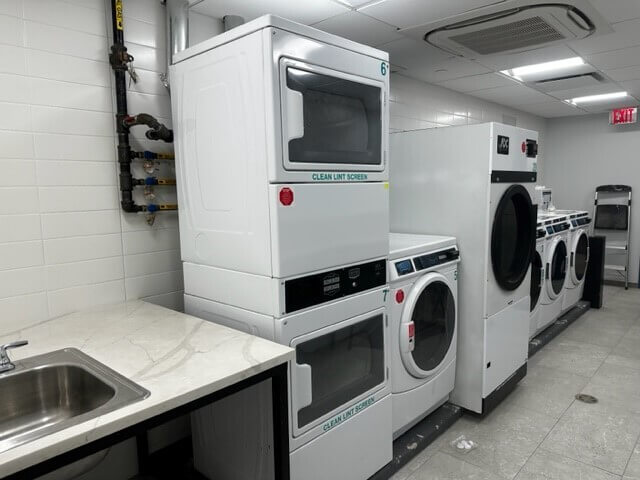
x: 621, y: 116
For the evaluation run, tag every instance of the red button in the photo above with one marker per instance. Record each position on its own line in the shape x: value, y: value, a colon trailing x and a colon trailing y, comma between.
x: 286, y: 196
x: 399, y: 296
x: 412, y: 330
x: 524, y: 147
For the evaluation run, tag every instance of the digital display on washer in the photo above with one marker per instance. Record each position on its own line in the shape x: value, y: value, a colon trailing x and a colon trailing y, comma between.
x: 549, y: 230
x: 404, y: 267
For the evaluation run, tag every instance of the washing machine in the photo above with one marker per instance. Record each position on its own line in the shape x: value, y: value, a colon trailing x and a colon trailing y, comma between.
x: 556, y: 261
x: 578, y: 258
x: 537, y: 279
x: 476, y: 183
x: 423, y: 275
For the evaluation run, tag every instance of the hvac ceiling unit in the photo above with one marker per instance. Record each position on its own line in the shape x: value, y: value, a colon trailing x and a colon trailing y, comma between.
x: 516, y: 29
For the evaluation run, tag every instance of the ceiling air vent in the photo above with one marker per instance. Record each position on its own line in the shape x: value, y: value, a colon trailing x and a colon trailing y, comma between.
x: 569, y: 82
x: 513, y: 30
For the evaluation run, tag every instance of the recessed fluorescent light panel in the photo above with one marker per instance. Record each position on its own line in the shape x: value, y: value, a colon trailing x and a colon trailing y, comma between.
x: 597, y: 98
x: 519, y: 73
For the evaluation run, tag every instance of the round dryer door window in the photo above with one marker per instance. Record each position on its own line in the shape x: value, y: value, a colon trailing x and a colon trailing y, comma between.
x: 580, y: 257
x: 434, y: 319
x: 513, y: 237
x: 558, y: 267
x: 536, y: 280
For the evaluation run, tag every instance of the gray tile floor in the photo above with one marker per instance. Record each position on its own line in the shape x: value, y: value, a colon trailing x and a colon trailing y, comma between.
x: 540, y: 432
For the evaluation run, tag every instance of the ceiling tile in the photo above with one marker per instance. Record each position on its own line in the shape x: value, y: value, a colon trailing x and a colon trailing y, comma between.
x: 303, y: 11
x: 515, y: 95
x: 409, y: 13
x: 447, y: 70
x: 626, y: 35
x: 617, y: 10
x: 478, y: 82
x: 408, y: 51
x: 622, y: 74
x: 359, y: 28
x: 631, y: 86
x: 616, y: 59
x: 553, y: 109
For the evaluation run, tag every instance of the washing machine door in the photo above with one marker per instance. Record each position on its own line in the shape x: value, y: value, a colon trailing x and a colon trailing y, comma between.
x: 537, y: 275
x: 579, y: 257
x: 428, y: 324
x: 513, y: 237
x: 556, y: 269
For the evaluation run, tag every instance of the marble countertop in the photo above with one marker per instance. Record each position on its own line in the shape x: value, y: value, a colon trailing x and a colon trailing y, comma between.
x: 177, y: 357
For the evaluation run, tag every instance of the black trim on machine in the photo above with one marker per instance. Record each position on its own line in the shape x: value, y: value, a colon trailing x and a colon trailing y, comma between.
x: 438, y: 258
x: 324, y: 287
x: 511, y: 176
x: 499, y: 394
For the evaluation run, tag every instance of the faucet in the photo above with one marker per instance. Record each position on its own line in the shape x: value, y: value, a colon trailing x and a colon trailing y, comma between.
x: 5, y: 362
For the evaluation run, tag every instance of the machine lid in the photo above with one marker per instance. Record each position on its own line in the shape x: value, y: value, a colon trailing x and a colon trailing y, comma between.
x: 429, y: 317
x: 513, y: 237
x: 408, y: 244
x: 556, y: 268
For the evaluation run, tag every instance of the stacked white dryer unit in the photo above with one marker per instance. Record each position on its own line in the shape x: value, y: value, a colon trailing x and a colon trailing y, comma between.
x: 281, y: 155
x: 476, y: 183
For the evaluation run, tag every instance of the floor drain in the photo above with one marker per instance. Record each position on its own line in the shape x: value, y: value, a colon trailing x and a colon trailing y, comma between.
x: 583, y: 397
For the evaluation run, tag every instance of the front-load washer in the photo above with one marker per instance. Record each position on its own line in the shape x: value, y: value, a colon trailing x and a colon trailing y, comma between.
x: 423, y: 275
x: 476, y: 182
x: 578, y: 243
x: 537, y: 280
x: 555, y: 265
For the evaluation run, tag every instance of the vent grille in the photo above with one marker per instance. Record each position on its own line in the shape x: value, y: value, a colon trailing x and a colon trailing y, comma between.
x: 510, y: 36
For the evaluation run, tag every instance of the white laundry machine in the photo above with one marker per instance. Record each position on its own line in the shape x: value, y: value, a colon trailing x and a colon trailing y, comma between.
x: 281, y: 139
x: 578, y: 258
x: 556, y: 261
x: 476, y: 183
x: 537, y: 279
x: 423, y: 281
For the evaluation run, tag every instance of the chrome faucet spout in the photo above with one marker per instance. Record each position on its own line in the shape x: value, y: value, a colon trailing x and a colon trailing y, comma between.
x: 5, y: 362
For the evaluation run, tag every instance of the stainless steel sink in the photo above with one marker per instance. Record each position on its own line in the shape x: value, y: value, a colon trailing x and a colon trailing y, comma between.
x: 51, y: 392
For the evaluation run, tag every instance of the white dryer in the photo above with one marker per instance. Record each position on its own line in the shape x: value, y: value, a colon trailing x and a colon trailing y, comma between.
x: 423, y: 272
x: 578, y: 258
x: 476, y: 182
x: 537, y: 280
x: 555, y: 265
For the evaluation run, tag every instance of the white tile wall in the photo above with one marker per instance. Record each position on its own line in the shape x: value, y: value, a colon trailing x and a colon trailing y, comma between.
x: 62, y: 245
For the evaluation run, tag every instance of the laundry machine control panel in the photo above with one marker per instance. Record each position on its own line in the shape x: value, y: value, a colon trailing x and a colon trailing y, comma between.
x: 318, y: 288
x: 415, y: 264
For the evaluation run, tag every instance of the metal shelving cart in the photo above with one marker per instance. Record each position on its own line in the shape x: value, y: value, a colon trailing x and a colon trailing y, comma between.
x: 612, y: 214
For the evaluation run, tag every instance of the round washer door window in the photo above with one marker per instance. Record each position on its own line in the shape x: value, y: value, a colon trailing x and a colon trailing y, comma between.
x: 580, y: 257
x: 536, y: 280
x: 558, y: 267
x: 513, y: 237
x: 434, y: 318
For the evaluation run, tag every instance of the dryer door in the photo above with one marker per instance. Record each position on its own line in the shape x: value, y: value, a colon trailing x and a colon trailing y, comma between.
x: 428, y: 324
x: 556, y: 269
x: 513, y: 237
x: 579, y: 257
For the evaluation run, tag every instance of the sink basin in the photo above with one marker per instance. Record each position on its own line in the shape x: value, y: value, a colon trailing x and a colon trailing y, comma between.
x: 51, y: 392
